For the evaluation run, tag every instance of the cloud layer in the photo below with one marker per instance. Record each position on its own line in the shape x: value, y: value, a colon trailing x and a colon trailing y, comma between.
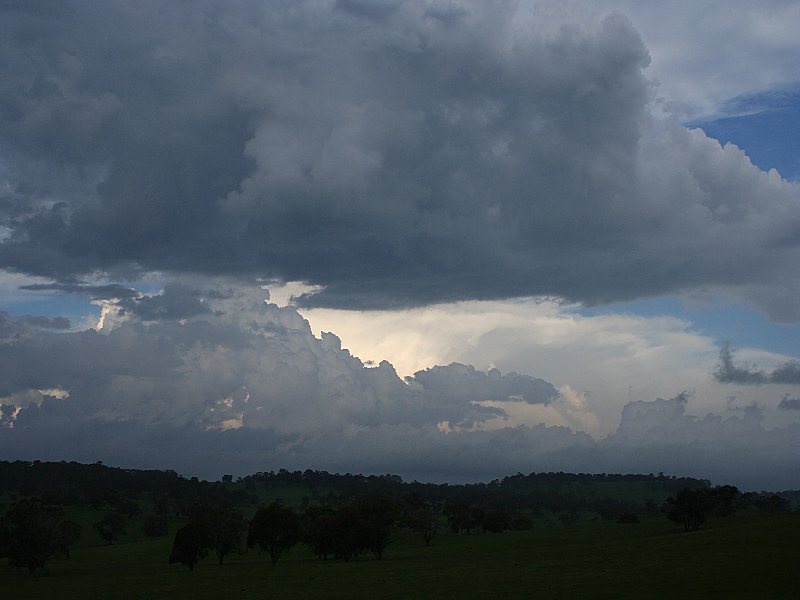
x: 243, y: 386
x: 397, y: 154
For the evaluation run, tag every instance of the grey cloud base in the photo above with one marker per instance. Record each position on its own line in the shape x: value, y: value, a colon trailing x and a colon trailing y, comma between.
x: 243, y: 386
x: 397, y: 154
x: 727, y: 372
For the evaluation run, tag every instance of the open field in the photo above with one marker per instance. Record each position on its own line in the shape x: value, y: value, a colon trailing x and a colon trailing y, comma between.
x: 746, y: 556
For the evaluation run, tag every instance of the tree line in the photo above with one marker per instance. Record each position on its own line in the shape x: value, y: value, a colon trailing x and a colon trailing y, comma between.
x: 343, y: 516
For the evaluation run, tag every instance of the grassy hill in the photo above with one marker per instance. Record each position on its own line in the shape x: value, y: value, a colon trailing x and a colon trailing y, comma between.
x: 745, y: 556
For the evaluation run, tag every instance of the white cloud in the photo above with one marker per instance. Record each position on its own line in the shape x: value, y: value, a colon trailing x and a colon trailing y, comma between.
x: 705, y: 53
x: 600, y: 362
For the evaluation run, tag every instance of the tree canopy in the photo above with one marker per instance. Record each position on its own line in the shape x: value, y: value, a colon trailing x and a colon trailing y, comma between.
x: 274, y: 528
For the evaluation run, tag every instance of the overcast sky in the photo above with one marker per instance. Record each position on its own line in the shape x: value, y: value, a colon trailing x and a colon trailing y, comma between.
x: 450, y: 240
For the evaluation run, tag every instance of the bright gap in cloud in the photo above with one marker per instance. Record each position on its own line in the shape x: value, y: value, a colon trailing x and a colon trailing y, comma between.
x: 765, y: 126
x: 603, y: 357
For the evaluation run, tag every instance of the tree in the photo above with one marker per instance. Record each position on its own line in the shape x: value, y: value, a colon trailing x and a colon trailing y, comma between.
x: 773, y: 503
x: 420, y: 516
x: 110, y: 527
x: 224, y: 528
x: 319, y: 531
x: 155, y: 526
x: 424, y: 521
x: 379, y: 517
x: 628, y: 518
x: 497, y: 521
x: 69, y: 532
x: 689, y: 508
x: 31, y: 534
x: 189, y: 546
x: 459, y: 517
x: 274, y: 528
x: 723, y: 499
x: 348, y: 533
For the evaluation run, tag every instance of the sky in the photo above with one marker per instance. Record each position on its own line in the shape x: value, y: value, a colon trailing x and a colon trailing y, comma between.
x: 448, y: 240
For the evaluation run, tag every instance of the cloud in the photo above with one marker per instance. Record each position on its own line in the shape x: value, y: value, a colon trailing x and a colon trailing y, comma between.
x: 177, y: 301
x: 727, y: 372
x: 605, y: 360
x: 660, y: 435
x: 458, y: 382
x: 47, y: 322
x: 225, y: 359
x: 705, y: 54
x: 788, y: 403
x: 395, y: 154
x: 246, y: 384
x: 95, y: 292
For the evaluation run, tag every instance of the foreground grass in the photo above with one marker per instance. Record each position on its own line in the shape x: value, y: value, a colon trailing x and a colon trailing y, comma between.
x: 752, y: 556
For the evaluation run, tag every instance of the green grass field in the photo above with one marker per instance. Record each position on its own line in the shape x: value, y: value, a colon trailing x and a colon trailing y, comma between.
x: 747, y: 556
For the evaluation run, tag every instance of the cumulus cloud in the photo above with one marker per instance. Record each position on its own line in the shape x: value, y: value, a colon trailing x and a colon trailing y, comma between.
x: 727, y: 372
x: 226, y: 359
x: 395, y: 154
x: 246, y: 386
x: 661, y: 435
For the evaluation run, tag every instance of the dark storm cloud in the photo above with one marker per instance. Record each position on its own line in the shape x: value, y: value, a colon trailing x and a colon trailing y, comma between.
x: 457, y: 382
x: 47, y: 322
x: 727, y: 372
x: 95, y: 292
x: 177, y: 301
x: 371, y: 9
x: 396, y: 153
x: 788, y: 403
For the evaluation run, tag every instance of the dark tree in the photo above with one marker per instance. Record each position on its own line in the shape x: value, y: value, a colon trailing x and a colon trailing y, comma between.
x: 69, y: 532
x: 476, y: 516
x: 155, y: 526
x: 425, y: 522
x: 723, y: 499
x: 420, y: 516
x: 349, y: 533
x: 689, y: 508
x: 569, y: 517
x: 459, y: 517
x: 31, y: 534
x: 127, y: 507
x: 189, y: 546
x: 320, y: 531
x: 224, y: 527
x: 521, y: 523
x: 773, y: 503
x: 274, y: 528
x: 379, y: 516
x: 628, y: 518
x: 110, y: 527
x: 497, y: 521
